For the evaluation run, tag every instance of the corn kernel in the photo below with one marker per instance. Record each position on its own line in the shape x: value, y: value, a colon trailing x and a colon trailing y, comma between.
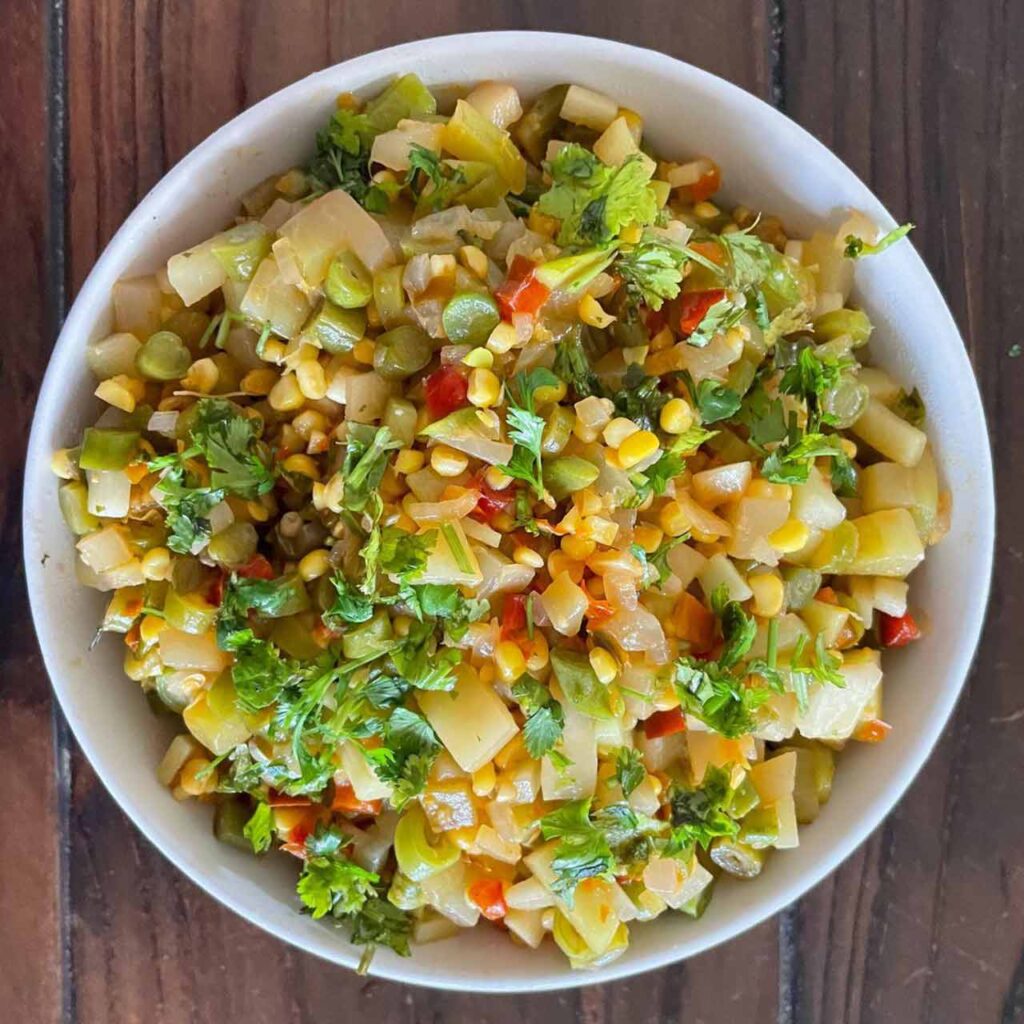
x: 509, y: 661
x: 150, y: 628
x: 522, y: 555
x: 541, y: 223
x: 761, y: 488
x: 362, y: 352
x: 550, y: 392
x: 559, y: 562
x: 539, y: 654
x: 447, y: 461
x: 589, y: 310
x: 307, y: 421
x: 202, y: 376
x: 613, y: 561
x: 618, y: 430
x: 474, y: 260
x: 598, y: 529
x: 676, y: 416
x: 604, y: 665
x: 197, y: 777
x: 503, y: 338
x: 768, y: 593
x: 495, y: 479
x: 312, y: 380
x: 584, y: 432
x: 258, y: 512
x: 273, y: 351
x: 706, y: 210
x: 484, y: 780
x: 259, y: 382
x: 648, y: 537
x: 116, y: 394
x: 156, y: 564
x: 484, y: 388
x: 409, y: 460
x: 479, y: 358
x: 789, y: 537
x: 442, y: 265
x: 673, y: 520
x: 703, y: 537
x: 577, y: 548
x: 588, y: 501
x: 849, y: 447
x: 636, y: 448
x: 314, y: 565
x: 303, y: 465
x: 285, y: 395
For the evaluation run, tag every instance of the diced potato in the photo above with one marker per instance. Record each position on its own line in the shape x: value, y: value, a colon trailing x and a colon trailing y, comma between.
x: 449, y: 805
x: 879, y: 384
x: 564, y: 603
x: 686, y: 562
x: 105, y: 549
x: 184, y: 650
x: 616, y: 143
x: 452, y: 560
x: 826, y: 619
x: 529, y: 894
x: 815, y: 504
x: 774, y: 779
x: 471, y: 721
x: 890, y: 435
x: 196, y: 272
x: 182, y: 749
x: 579, y: 744
x: 498, y: 101
x: 721, y: 569
x: 789, y: 837
x: 272, y: 299
x: 833, y: 712
x: 890, y: 595
x: 589, y: 108
x: 752, y: 520
x: 527, y: 925
x: 446, y: 892
x: 214, y: 719
x: 723, y: 483
x: 888, y: 544
x: 137, y: 306
x: 709, y: 748
x: 700, y: 518
x: 887, y: 485
x: 490, y: 844
x: 361, y: 776
x: 391, y: 149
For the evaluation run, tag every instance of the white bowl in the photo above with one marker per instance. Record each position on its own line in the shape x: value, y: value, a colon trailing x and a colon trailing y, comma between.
x: 769, y: 163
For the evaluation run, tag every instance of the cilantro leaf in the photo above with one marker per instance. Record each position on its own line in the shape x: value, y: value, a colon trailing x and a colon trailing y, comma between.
x: 910, y: 407
x: 738, y: 631
x: 228, y: 440
x: 437, y: 187
x: 763, y: 416
x: 857, y: 247
x: 545, y: 717
x: 629, y: 769
x: 699, y: 815
x: 350, y: 606
x: 409, y: 750
x: 259, y: 829
x: 334, y: 885
x: 573, y: 365
x: 595, y: 202
x: 380, y: 923
x: 526, y: 428
x: 821, y: 666
x: 366, y: 457
x: 750, y: 259
x: 640, y: 398
x: 343, y: 160
x: 651, y: 271
x: 722, y: 701
x: 421, y: 664
x: 583, y: 851
x: 714, y: 401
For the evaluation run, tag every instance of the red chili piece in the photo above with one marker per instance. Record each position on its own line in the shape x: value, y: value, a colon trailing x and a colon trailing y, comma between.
x: 446, y: 391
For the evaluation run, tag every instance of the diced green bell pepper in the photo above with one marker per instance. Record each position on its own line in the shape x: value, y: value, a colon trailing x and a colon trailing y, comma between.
x: 334, y: 329
x: 104, y: 448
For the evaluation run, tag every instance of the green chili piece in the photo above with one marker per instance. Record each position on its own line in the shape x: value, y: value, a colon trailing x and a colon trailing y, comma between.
x: 401, y: 352
x: 334, y: 329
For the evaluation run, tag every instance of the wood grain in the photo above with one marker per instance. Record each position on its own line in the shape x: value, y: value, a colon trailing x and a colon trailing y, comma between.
x: 31, y: 977
x: 146, y: 83
x: 924, y: 99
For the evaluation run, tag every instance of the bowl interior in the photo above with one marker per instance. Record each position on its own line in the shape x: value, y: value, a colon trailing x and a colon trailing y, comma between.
x: 769, y: 163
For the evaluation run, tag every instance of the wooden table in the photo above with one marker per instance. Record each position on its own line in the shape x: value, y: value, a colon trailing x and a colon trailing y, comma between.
x: 925, y: 100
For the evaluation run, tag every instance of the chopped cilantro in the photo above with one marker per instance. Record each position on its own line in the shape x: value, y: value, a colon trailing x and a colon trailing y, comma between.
x: 857, y: 247
x: 545, y: 718
x: 629, y: 769
x: 651, y: 271
x: 259, y: 829
x: 526, y: 428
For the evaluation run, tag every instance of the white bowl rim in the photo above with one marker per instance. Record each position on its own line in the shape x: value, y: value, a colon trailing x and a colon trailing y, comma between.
x: 49, y: 402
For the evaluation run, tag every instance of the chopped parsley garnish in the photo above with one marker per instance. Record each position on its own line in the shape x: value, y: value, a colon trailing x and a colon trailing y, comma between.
x: 259, y: 829
x: 526, y: 428
x: 343, y: 160
x: 699, y: 815
x: 651, y: 271
x: 629, y: 769
x: 438, y: 185
x: 718, y: 319
x: 545, y: 718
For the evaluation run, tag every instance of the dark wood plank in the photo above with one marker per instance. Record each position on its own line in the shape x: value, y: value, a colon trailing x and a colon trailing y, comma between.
x: 31, y: 975
x: 147, y: 82
x: 924, y: 100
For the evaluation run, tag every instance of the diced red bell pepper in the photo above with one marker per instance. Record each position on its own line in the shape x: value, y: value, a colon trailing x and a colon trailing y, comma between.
x: 491, y: 502
x: 446, y: 390
x: 521, y: 292
x: 213, y: 592
x: 346, y: 801
x: 257, y: 568
x: 598, y: 612
x: 513, y: 616
x: 872, y: 731
x: 897, y: 630
x: 664, y: 723
x: 693, y: 306
x: 705, y: 186
x: 489, y: 895
x: 826, y: 595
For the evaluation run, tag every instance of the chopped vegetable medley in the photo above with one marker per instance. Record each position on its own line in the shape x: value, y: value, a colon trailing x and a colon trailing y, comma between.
x: 512, y: 527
